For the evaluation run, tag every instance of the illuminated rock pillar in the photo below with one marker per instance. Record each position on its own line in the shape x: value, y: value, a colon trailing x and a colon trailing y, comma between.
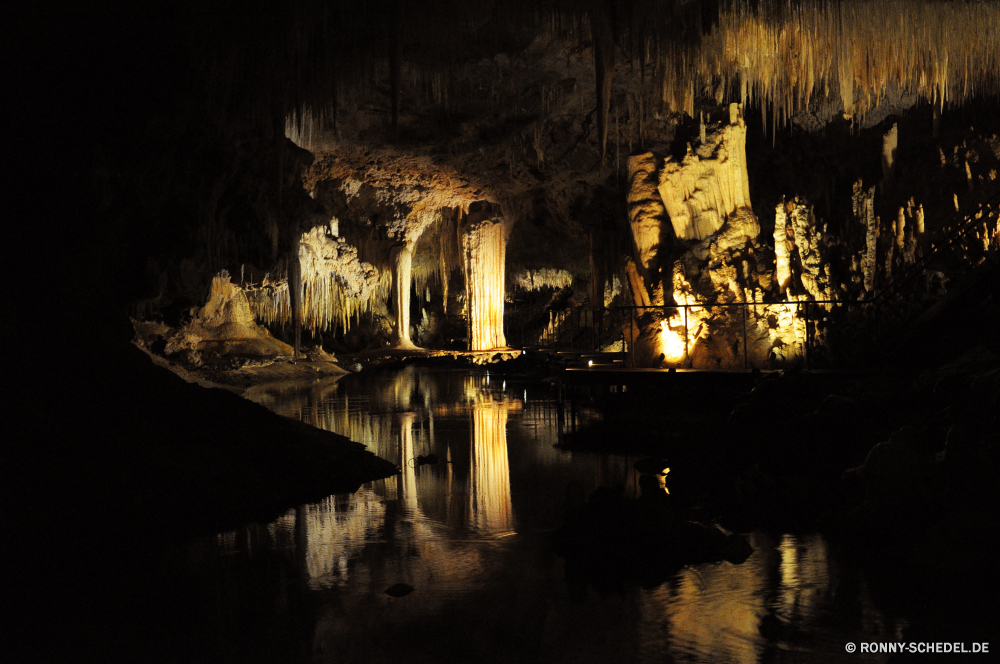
x: 646, y: 215
x: 490, y: 496
x: 295, y: 293
x: 890, y: 143
x: 402, y: 262
x: 871, y: 241
x: 484, y: 252
x: 783, y: 271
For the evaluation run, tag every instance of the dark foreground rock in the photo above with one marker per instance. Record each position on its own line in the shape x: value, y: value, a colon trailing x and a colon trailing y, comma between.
x: 130, y: 460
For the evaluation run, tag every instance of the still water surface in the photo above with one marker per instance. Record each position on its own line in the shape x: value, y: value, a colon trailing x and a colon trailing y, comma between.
x: 471, y: 534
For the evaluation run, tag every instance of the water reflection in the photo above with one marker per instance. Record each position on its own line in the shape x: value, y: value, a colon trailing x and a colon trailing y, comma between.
x: 408, y: 413
x: 472, y: 535
x: 490, y: 491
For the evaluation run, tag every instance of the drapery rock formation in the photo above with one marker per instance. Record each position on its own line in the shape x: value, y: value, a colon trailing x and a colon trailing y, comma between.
x: 484, y: 248
x: 702, y: 190
x: 647, y: 216
x: 336, y: 287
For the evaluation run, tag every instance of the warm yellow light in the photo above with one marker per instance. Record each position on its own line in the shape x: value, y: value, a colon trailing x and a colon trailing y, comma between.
x: 671, y: 342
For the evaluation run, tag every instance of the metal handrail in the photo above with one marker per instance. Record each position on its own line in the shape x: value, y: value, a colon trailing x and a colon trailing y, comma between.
x: 877, y: 301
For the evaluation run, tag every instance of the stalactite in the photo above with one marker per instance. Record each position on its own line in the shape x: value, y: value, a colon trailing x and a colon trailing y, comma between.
x: 604, y: 67
x: 445, y: 277
x: 395, y: 55
x: 484, y: 249
x: 335, y: 286
x: 295, y: 287
x: 450, y: 254
x: 787, y: 54
x: 534, y: 280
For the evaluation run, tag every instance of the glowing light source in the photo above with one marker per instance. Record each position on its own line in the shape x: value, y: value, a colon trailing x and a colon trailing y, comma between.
x: 672, y: 340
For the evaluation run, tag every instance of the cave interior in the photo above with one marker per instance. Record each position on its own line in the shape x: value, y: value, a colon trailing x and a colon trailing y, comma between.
x: 709, y: 185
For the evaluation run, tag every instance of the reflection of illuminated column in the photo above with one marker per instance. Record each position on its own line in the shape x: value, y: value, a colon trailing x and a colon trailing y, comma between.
x: 490, y: 497
x: 805, y: 577
x: 409, y: 477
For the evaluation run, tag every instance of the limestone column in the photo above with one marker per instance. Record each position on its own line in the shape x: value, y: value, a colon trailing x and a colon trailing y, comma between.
x: 295, y: 295
x: 484, y: 252
x: 402, y: 262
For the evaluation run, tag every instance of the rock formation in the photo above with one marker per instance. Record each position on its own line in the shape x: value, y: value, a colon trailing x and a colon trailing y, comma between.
x: 710, y: 183
x: 484, y: 248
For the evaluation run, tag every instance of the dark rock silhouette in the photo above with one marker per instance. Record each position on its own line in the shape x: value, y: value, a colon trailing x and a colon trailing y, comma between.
x: 399, y: 590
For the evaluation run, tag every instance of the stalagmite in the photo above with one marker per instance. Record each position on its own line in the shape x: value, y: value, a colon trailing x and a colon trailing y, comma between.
x: 640, y: 295
x: 889, y: 256
x: 871, y: 222
x: 890, y: 141
x: 484, y: 250
x: 710, y: 183
x: 807, y: 241
x: 900, y: 228
x: 402, y: 261
x: 782, y: 271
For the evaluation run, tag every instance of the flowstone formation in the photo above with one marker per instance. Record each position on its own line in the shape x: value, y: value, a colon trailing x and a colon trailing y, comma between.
x: 484, y: 249
x: 699, y: 207
x: 223, y: 331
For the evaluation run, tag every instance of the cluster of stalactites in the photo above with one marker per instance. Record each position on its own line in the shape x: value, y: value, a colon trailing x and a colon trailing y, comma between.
x: 784, y: 55
x: 535, y: 280
x: 336, y: 287
x: 326, y: 302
